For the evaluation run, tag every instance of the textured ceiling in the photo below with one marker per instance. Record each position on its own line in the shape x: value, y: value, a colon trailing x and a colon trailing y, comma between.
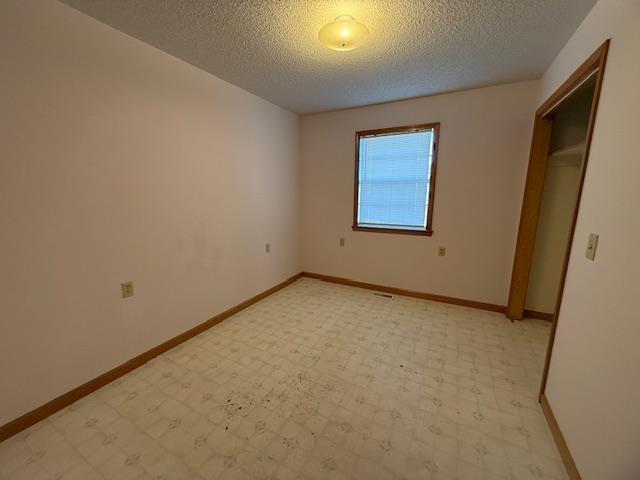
x: 271, y: 48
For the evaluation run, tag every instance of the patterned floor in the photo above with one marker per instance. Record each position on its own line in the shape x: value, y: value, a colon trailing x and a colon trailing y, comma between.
x: 318, y: 381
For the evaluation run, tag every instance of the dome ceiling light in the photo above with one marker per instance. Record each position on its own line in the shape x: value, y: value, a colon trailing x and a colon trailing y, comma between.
x: 343, y: 34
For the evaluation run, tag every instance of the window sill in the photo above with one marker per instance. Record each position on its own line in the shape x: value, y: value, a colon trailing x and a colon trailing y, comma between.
x: 424, y: 233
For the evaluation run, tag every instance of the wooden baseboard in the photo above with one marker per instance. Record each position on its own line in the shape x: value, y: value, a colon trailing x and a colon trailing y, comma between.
x: 539, y: 315
x: 42, y: 412
x: 66, y: 399
x: 565, y: 454
x: 409, y: 293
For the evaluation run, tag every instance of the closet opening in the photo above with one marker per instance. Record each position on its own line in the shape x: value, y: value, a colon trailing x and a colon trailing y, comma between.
x: 558, y: 203
x: 562, y: 133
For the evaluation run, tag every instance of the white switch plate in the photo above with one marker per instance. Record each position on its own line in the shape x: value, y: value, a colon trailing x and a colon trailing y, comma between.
x: 341, y: 241
x: 592, y: 244
x: 442, y: 251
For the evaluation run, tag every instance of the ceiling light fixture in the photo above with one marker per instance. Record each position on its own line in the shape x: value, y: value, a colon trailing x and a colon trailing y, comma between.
x: 343, y: 34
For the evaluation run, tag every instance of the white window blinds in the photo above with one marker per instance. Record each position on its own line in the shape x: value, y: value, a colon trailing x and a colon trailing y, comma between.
x: 393, y: 180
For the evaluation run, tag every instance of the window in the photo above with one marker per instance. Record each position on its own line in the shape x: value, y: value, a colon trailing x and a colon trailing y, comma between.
x: 395, y: 179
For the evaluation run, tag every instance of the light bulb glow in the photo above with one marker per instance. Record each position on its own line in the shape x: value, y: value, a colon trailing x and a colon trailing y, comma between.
x: 343, y: 34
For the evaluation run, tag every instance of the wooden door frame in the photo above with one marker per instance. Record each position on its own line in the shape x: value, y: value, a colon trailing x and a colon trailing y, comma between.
x: 532, y: 199
x: 531, y: 203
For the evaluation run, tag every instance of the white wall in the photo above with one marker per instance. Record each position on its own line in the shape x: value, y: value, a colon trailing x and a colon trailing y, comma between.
x: 119, y: 162
x: 594, y: 384
x: 483, y: 153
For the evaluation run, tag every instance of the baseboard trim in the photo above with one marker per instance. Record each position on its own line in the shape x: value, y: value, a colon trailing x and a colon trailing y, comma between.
x: 565, y: 454
x: 40, y: 413
x: 409, y: 293
x: 539, y: 315
x: 66, y: 399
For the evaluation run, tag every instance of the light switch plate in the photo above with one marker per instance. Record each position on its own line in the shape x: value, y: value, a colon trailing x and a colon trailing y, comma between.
x: 592, y: 244
x: 127, y: 289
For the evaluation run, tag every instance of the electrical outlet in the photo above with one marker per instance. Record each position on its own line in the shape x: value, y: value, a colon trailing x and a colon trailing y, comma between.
x: 442, y: 251
x: 267, y: 248
x: 127, y: 289
x: 342, y: 241
x: 592, y: 244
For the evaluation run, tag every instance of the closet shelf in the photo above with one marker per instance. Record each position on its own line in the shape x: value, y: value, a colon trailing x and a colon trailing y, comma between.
x: 577, y: 149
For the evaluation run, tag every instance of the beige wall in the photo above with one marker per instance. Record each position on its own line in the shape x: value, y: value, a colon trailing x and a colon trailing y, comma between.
x: 593, y: 385
x: 119, y: 162
x: 483, y: 153
x: 554, y: 226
